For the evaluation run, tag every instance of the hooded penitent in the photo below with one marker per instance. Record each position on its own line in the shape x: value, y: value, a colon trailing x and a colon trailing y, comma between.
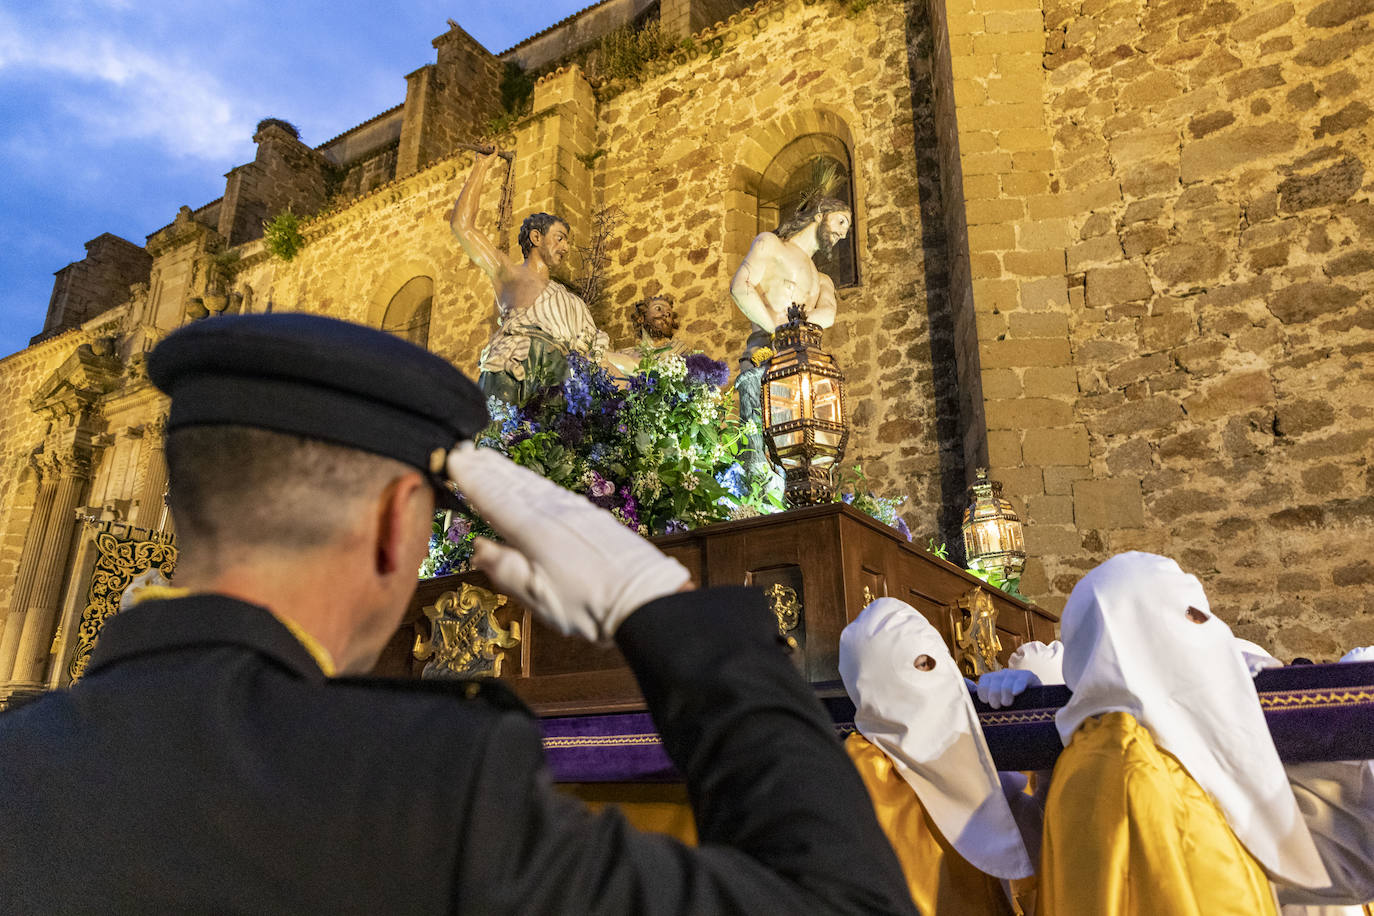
x: 1140, y: 638
x: 911, y: 702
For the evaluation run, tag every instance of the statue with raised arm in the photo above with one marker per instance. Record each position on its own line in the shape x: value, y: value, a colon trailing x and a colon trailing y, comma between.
x: 539, y: 320
x: 777, y: 273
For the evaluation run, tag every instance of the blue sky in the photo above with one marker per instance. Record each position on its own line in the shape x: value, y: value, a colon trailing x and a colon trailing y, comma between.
x: 113, y: 113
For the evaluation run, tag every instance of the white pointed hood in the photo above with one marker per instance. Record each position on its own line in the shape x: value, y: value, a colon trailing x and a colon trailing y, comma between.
x: 1131, y: 644
x: 925, y: 722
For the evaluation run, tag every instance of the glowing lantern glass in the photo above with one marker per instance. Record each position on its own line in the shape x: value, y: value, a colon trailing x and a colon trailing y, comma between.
x: 993, y: 536
x: 803, y: 411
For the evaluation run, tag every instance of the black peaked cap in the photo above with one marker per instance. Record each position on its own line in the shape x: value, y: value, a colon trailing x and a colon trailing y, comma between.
x: 320, y: 378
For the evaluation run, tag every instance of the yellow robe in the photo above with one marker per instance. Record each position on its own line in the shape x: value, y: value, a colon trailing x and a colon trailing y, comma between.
x: 941, y: 881
x: 1129, y: 833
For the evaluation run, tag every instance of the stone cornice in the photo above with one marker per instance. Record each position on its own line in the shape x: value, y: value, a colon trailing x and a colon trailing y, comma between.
x: 81, y: 380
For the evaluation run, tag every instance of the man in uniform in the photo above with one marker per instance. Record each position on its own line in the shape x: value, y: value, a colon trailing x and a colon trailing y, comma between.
x: 539, y: 320
x: 219, y: 755
x: 777, y: 273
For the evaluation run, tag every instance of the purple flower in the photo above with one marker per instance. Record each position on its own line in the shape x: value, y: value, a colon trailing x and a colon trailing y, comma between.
x: 600, y: 486
x: 704, y: 370
x: 902, y: 528
x: 459, y: 530
x: 645, y: 383
x: 847, y: 498
x: 630, y: 510
x: 675, y: 526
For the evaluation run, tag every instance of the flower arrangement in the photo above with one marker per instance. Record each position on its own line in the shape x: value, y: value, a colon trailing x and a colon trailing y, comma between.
x: 659, y: 452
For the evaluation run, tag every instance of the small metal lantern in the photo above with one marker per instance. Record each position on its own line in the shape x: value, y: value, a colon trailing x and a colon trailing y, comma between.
x: 803, y: 411
x: 993, y: 536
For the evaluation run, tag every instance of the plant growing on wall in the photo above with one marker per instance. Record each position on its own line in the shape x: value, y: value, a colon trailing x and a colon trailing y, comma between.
x: 281, y: 235
x: 624, y: 52
x: 592, y: 283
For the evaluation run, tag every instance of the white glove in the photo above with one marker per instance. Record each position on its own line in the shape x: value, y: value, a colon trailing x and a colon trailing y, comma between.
x: 1362, y: 654
x: 1047, y: 661
x: 1000, y: 688
x: 572, y: 563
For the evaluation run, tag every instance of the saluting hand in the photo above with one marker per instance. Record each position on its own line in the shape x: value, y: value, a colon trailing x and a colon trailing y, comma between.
x: 573, y: 563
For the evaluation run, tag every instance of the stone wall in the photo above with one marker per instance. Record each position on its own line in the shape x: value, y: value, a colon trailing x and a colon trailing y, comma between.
x: 284, y: 175
x: 448, y: 102
x: 97, y: 282
x: 359, y: 255
x: 1222, y: 344
x: 682, y: 160
x: 1203, y: 184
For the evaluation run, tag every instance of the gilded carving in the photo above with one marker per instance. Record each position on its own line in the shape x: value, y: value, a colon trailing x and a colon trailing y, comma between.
x: 975, y: 632
x: 465, y: 639
x: 119, y: 560
x: 786, y: 608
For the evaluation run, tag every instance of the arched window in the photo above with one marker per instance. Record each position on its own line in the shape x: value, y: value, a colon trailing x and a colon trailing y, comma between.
x: 407, y: 314
x: 811, y: 166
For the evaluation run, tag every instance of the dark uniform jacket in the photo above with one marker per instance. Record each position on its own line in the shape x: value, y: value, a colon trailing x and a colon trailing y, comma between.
x: 205, y: 764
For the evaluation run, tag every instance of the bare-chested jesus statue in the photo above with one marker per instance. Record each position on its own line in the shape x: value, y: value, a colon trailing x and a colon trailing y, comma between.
x: 539, y: 320
x: 776, y: 274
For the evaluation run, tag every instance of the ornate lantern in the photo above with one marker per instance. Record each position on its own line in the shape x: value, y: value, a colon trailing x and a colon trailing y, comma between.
x: 993, y: 537
x: 803, y: 411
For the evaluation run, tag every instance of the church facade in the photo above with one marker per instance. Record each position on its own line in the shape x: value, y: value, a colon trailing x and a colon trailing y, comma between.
x: 1120, y: 253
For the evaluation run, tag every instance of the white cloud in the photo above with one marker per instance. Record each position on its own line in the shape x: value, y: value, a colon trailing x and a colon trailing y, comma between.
x: 116, y: 90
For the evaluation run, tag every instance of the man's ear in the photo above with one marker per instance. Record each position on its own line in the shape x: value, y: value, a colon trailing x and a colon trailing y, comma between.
x: 396, y: 518
x: 536, y: 237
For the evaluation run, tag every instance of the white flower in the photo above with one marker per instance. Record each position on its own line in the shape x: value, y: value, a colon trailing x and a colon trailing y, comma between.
x: 672, y: 367
x: 690, y: 481
x: 646, y: 485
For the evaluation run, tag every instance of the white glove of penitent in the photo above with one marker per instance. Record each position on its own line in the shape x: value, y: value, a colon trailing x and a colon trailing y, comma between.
x: 999, y: 688
x: 572, y: 563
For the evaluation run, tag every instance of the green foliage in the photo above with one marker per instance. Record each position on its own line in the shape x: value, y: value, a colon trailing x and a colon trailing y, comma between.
x: 853, y: 490
x: 624, y: 52
x: 281, y: 235
x: 992, y: 577
x: 502, y: 123
x: 659, y: 453
x: 226, y: 259
x: 517, y: 88
x: 589, y: 159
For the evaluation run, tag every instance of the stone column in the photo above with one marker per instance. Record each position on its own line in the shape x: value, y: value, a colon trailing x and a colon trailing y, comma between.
x: 28, y: 567
x: 40, y: 616
x: 552, y: 172
x: 150, y: 495
x: 1011, y: 223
